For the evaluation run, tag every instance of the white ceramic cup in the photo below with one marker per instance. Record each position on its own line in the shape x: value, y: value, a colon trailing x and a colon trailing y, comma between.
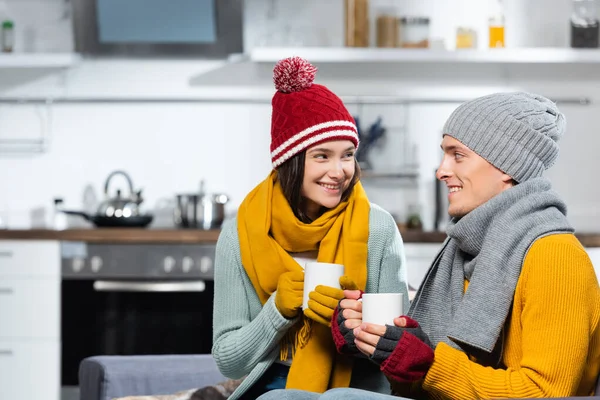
x: 381, y: 308
x: 318, y: 273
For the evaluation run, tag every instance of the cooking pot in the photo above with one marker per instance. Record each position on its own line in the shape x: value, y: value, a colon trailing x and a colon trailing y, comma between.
x: 203, y: 211
x: 118, y: 211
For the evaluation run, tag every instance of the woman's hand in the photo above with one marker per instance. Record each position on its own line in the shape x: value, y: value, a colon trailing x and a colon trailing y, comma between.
x: 351, y: 309
x: 347, y: 316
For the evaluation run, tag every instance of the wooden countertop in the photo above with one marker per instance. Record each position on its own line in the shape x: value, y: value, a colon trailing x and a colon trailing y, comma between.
x: 191, y: 236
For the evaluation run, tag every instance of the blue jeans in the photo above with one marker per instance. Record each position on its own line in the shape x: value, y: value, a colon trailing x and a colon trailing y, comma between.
x: 274, y: 378
x: 332, y: 394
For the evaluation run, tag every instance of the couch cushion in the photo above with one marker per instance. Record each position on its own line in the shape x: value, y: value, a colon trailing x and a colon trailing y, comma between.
x: 107, y: 377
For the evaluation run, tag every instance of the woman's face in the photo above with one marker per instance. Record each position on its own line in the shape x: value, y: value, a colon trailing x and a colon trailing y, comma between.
x: 328, y: 170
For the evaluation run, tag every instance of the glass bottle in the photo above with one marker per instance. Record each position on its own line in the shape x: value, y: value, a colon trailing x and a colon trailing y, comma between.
x: 496, y: 26
x: 584, y: 24
x: 8, y: 36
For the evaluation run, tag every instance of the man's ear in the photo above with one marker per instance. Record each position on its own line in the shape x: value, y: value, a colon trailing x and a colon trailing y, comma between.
x: 508, y: 180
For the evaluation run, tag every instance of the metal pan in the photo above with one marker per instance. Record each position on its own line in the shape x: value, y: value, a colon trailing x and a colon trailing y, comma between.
x: 135, y: 221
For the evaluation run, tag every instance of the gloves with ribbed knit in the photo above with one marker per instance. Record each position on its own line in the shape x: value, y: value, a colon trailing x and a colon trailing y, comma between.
x: 342, y: 336
x: 289, y: 294
x: 323, y: 301
x: 404, y: 354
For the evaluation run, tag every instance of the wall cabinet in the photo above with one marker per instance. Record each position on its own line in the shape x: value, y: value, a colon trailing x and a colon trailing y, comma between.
x: 29, y: 320
x: 419, y: 257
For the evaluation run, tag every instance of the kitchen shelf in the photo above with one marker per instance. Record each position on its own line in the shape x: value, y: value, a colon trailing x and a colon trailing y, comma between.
x: 38, y: 60
x: 542, y: 55
x: 368, y: 174
x: 402, y: 74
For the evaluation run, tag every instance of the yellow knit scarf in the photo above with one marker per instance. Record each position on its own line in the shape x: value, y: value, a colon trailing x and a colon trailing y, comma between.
x: 268, y: 231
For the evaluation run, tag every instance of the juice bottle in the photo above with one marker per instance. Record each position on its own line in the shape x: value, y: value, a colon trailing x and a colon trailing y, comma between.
x: 496, y: 26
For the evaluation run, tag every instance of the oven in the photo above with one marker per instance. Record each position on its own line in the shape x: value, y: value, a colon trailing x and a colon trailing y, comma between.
x: 134, y: 299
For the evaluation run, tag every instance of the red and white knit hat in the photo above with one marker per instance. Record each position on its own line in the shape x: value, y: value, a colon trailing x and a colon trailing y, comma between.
x: 304, y: 113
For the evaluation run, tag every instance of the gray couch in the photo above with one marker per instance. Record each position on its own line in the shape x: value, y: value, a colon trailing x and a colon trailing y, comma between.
x: 107, y: 377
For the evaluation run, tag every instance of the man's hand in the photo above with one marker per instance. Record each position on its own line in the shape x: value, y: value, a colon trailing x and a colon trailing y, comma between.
x: 403, y: 350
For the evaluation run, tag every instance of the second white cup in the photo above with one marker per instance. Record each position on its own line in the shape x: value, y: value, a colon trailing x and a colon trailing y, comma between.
x: 318, y: 273
x: 381, y: 308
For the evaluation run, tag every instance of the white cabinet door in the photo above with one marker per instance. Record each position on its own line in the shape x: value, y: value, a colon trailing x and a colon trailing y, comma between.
x: 419, y: 257
x: 29, y: 319
x: 30, y: 258
x: 29, y: 308
x: 29, y: 370
x: 594, y: 253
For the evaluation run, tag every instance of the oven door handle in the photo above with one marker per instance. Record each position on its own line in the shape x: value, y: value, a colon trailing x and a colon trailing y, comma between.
x: 145, y: 286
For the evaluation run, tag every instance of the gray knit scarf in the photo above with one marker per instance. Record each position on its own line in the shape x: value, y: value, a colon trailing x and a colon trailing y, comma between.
x: 487, y: 246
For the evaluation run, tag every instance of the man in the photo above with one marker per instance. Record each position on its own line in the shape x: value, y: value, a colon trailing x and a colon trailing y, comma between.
x: 511, y: 305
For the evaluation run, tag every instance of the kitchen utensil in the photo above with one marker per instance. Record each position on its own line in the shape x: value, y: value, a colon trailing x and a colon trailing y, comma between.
x: 440, y: 217
x: 200, y: 210
x: 117, y: 211
x: 367, y: 142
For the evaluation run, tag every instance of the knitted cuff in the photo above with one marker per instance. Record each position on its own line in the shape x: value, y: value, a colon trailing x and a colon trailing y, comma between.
x: 342, y: 336
x: 387, y: 344
x: 409, y: 361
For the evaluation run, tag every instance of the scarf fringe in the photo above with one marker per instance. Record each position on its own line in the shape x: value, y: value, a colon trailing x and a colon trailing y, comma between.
x: 294, y: 339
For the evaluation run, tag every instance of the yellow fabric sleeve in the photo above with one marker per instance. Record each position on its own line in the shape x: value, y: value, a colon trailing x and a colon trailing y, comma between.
x: 552, y: 345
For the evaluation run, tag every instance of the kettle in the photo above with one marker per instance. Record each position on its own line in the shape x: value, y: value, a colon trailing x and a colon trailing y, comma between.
x: 117, y: 211
x: 118, y: 206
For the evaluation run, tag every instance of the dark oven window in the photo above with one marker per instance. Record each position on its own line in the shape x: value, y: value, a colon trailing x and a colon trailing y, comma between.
x: 131, y: 323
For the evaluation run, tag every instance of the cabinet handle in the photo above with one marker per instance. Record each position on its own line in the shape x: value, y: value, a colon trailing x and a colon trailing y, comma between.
x: 7, y: 353
x: 7, y: 254
x: 6, y: 290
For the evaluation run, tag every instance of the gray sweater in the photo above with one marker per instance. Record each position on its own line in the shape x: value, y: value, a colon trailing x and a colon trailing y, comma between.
x: 246, y: 334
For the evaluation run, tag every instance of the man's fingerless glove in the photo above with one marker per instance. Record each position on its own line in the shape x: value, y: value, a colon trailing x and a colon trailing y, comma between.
x: 404, y: 354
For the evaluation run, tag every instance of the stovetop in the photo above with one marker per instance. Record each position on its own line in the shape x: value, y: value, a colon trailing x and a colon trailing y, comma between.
x: 80, y: 260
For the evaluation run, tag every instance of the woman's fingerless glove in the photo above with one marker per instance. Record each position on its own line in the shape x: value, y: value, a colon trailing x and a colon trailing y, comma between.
x: 342, y: 336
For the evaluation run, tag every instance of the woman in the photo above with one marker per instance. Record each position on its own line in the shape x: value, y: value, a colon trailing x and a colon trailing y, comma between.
x: 310, y: 207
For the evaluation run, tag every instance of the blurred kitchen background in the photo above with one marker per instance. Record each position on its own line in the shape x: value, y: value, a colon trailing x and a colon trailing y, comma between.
x: 173, y: 120
x: 156, y: 113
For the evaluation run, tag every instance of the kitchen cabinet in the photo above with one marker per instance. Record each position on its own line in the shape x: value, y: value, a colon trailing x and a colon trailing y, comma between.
x: 41, y: 61
x: 419, y: 257
x: 30, y: 319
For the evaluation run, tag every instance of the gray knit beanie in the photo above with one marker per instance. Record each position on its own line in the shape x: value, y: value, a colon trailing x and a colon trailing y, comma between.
x: 515, y: 132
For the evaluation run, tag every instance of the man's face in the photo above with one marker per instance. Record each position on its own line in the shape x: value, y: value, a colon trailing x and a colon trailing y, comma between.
x: 470, y: 179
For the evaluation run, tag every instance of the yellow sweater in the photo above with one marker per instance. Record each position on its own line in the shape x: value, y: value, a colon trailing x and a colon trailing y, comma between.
x: 552, y: 336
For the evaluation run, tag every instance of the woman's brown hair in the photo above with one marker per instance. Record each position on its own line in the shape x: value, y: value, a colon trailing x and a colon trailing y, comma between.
x: 291, y: 176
